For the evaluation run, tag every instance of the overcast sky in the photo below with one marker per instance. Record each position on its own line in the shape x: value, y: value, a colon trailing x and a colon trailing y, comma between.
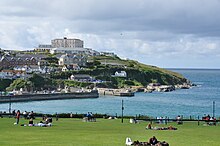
x: 165, y: 33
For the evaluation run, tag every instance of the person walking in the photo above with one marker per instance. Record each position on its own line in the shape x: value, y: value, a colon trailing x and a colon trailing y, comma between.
x: 57, y: 116
x: 17, y: 116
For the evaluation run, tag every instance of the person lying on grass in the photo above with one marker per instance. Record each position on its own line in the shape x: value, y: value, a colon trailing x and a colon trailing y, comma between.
x: 40, y: 124
x: 160, y: 128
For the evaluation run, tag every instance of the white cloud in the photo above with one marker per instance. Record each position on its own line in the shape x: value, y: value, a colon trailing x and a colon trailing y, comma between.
x: 154, y: 31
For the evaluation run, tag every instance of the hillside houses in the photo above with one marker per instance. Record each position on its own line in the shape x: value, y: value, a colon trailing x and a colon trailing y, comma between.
x: 78, y: 59
x: 11, y: 61
x: 13, y: 74
x: 34, y: 69
x: 63, y: 54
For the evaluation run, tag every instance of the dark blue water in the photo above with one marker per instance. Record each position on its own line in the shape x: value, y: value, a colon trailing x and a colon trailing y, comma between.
x: 195, y: 101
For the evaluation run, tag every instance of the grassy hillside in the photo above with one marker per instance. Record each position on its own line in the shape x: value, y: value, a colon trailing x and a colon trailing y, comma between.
x: 102, y: 68
x: 136, y: 71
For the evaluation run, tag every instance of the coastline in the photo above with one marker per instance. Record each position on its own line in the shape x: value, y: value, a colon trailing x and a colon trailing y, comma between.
x: 55, y: 96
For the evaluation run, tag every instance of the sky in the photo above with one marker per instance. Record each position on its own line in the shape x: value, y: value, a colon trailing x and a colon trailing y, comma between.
x: 163, y: 33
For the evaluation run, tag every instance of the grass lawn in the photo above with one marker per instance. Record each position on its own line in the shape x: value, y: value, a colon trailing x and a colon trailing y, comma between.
x: 104, y: 132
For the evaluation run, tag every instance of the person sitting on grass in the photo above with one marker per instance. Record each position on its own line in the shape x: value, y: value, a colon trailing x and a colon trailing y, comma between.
x: 31, y: 122
x: 171, y: 128
x: 42, y: 124
x: 149, y: 126
x: 153, y: 140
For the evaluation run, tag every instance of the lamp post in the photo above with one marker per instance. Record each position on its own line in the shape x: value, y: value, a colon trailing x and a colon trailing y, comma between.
x: 122, y: 110
x: 213, y: 108
x: 9, y: 108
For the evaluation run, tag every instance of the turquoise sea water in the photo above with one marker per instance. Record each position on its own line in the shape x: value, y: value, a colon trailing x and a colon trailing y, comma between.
x: 195, y: 101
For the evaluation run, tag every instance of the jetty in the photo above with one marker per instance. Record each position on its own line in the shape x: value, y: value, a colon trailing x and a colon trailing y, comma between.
x: 115, y: 92
x: 52, y: 96
x: 124, y: 94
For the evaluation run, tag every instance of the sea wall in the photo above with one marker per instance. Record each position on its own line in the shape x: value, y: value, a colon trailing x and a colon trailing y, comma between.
x: 115, y: 92
x: 55, y: 96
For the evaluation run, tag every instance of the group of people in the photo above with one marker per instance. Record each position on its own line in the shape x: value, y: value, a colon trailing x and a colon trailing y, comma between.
x: 46, y: 122
x: 26, y: 115
x: 209, y: 120
x: 149, y: 126
x: 151, y: 142
x: 89, y: 117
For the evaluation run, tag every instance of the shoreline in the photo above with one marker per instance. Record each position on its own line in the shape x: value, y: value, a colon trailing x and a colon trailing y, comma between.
x: 55, y: 96
x: 92, y: 94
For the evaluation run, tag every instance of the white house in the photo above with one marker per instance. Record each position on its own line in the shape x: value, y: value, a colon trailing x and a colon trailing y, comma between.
x: 120, y: 74
x: 70, y: 67
x: 84, y: 51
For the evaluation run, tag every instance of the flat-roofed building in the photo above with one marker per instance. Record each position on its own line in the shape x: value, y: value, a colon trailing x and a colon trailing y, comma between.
x: 85, y: 51
x: 43, y: 48
x: 67, y: 43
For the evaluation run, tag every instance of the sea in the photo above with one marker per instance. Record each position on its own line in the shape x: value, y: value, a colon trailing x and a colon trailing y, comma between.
x: 203, y: 99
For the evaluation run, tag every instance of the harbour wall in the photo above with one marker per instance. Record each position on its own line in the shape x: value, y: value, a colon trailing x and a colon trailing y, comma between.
x: 54, y: 96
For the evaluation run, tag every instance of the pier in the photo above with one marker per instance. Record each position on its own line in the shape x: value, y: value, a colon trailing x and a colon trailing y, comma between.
x: 115, y: 92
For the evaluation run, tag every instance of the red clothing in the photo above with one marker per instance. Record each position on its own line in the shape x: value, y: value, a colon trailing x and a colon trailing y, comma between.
x: 18, y: 115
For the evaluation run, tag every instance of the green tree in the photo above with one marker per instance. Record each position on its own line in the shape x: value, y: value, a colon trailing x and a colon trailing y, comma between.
x: 37, y: 81
x: 4, y: 83
x: 17, y: 84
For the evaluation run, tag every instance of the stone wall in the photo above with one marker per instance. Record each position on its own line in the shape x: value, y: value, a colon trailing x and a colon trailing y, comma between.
x: 56, y: 96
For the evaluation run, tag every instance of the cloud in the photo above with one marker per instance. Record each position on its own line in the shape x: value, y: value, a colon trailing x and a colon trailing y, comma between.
x: 165, y: 31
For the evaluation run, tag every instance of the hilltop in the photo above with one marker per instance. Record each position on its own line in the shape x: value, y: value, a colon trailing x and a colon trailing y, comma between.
x: 138, y: 72
x: 103, y: 68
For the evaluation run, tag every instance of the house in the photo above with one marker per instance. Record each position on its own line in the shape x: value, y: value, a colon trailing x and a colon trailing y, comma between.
x: 38, y: 57
x: 11, y: 61
x: 4, y: 62
x: 42, y: 62
x: 120, y: 74
x: 25, y: 68
x: 81, y: 78
x: 12, y: 74
x: 78, y: 59
x: 108, y: 54
x: 70, y: 67
x: 43, y: 48
x: 85, y: 51
x: 34, y: 69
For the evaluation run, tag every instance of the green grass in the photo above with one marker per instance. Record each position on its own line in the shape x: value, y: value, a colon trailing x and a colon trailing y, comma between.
x: 137, y: 65
x: 74, y: 132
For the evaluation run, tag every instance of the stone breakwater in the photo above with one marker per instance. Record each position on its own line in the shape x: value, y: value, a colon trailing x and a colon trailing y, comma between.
x: 115, y: 92
x: 54, y: 96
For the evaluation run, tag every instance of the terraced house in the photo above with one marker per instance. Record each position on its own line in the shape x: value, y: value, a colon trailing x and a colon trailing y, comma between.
x: 78, y: 59
x: 11, y: 61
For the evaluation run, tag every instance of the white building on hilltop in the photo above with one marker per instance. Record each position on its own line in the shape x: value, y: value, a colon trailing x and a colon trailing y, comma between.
x: 67, y: 43
x: 120, y: 74
x: 85, y: 51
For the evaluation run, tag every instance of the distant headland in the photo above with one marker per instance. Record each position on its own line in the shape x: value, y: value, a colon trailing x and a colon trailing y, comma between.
x: 65, y: 66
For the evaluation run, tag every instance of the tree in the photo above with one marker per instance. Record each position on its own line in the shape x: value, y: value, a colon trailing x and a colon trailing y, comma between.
x: 4, y: 83
x: 17, y: 84
x: 37, y: 81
